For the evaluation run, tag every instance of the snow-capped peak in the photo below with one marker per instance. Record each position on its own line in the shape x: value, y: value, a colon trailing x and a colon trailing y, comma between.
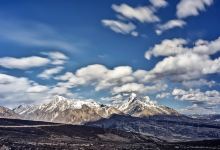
x: 60, y: 103
x: 132, y: 97
x: 58, y: 98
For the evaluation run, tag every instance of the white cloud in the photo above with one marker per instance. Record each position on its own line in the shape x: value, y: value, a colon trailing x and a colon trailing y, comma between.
x: 206, y: 102
x: 92, y: 72
x: 186, y: 8
x: 166, y: 48
x: 162, y: 95
x: 170, y: 25
x: 21, y: 90
x: 138, y: 88
x: 119, y: 72
x: 184, y: 63
x: 159, y: 3
x: 129, y: 87
x: 142, y: 13
x: 56, y: 55
x: 57, y: 58
x: 24, y: 62
x: 198, y: 83
x: 119, y: 79
x: 17, y: 90
x: 198, y: 97
x: 197, y: 109
x: 207, y: 48
x: 37, y: 89
x: 134, y: 33
x: 186, y: 66
x: 120, y: 27
x: 47, y: 74
x: 102, y: 77
x: 170, y: 47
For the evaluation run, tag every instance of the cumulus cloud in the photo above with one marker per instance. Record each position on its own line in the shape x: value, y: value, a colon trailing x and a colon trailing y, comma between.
x: 47, y: 74
x: 121, y: 79
x: 183, y: 63
x: 170, y: 25
x: 207, y: 47
x: 21, y: 90
x: 198, y: 97
x: 129, y: 87
x: 23, y: 63
x: 167, y: 47
x: 120, y: 27
x: 159, y: 3
x: 138, y: 88
x: 15, y: 90
x: 186, y: 8
x: 98, y: 75
x: 141, y: 13
x: 186, y: 66
x: 170, y: 47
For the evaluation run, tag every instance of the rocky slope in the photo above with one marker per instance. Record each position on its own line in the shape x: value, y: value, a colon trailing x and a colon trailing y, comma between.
x: 7, y: 113
x: 170, y: 128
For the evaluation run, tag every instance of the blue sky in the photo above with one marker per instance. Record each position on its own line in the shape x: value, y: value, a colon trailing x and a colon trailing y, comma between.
x: 103, y: 50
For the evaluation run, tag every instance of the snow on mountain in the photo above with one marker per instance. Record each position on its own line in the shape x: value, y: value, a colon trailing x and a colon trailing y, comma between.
x: 75, y: 111
x: 143, y: 106
x: 7, y: 113
x: 61, y: 103
x: 60, y: 109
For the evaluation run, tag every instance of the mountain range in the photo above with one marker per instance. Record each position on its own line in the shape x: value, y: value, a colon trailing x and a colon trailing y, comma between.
x: 136, y: 114
x: 73, y: 111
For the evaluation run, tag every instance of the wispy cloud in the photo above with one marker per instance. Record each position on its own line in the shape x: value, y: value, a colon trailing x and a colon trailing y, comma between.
x: 57, y: 58
x: 47, y: 74
x: 52, y: 57
x: 170, y: 25
x: 33, y: 34
x: 120, y: 27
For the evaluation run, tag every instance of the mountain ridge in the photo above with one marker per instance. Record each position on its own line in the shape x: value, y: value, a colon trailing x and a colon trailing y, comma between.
x: 8, y: 113
x: 64, y: 110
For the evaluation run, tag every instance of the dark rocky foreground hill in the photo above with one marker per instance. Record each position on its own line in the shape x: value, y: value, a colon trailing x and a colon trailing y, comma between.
x: 169, y: 128
x: 22, y: 134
